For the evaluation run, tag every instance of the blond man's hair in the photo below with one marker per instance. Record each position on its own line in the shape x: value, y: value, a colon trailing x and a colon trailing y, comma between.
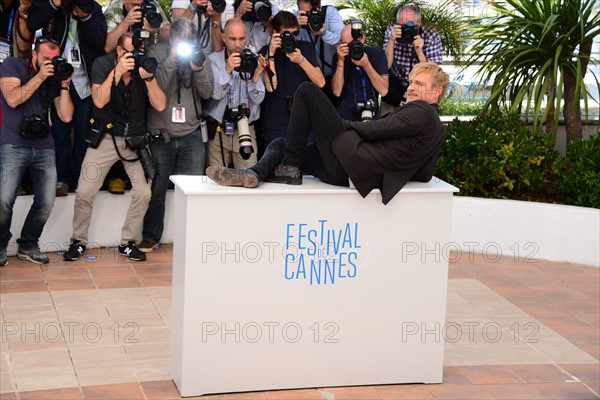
x: 440, y: 77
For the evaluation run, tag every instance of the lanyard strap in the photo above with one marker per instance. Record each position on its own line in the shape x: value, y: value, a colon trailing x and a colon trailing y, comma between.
x: 73, y: 31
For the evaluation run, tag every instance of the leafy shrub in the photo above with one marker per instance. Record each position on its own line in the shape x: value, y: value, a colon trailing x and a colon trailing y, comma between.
x: 579, y: 173
x: 495, y: 155
x: 450, y: 106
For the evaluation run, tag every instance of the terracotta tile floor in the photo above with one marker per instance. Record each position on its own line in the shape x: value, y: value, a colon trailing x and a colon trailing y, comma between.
x: 98, y: 328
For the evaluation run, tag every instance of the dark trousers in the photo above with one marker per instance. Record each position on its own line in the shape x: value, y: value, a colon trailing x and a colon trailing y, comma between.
x: 312, y: 111
x: 70, y: 152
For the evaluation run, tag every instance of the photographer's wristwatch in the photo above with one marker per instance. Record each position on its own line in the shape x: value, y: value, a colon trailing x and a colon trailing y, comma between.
x: 214, y: 24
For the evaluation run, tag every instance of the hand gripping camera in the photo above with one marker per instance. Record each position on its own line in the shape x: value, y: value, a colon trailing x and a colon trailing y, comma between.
x: 316, y: 19
x: 288, y: 42
x: 357, y: 50
x: 217, y: 5
x: 409, y: 31
x: 261, y: 11
x: 149, y: 12
x: 366, y: 110
x: 240, y: 116
x: 139, y: 144
x: 249, y: 61
x: 187, y: 51
x: 62, y: 69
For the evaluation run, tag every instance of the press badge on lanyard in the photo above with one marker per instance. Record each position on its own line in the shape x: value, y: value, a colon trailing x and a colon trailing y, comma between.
x: 178, y: 116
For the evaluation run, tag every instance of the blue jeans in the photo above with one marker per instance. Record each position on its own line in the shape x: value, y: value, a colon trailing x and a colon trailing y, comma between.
x: 181, y: 156
x: 14, y: 160
x: 70, y: 154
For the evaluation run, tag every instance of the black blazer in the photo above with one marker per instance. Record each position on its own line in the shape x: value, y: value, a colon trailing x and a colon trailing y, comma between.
x: 388, y: 152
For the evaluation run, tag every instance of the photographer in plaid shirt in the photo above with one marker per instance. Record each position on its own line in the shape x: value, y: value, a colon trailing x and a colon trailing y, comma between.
x: 406, y: 44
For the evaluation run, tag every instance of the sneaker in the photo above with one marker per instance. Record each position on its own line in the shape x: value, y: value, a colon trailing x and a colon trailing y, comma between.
x: 62, y: 189
x: 146, y: 245
x: 76, y: 249
x: 3, y: 257
x: 286, y: 174
x: 116, y: 186
x: 131, y: 250
x: 33, y: 255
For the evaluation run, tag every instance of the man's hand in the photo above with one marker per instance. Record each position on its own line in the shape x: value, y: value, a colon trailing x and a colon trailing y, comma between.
x: 24, y: 6
x: 296, y: 57
x: 243, y: 8
x: 396, y: 32
x: 144, y: 74
x: 125, y: 64
x: 56, y: 3
x: 342, y: 52
x: 233, y: 62
x: 275, y: 43
x: 133, y: 16
x: 363, y: 62
x: 302, y: 18
x: 418, y: 44
x: 46, y: 70
x: 320, y: 32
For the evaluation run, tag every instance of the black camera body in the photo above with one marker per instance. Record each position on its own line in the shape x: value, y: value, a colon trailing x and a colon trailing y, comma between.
x: 316, y: 19
x: 62, y: 69
x: 141, y: 60
x: 357, y: 49
x: 34, y: 127
x: 288, y: 42
x: 365, y: 110
x: 139, y: 144
x: 261, y: 11
x: 249, y: 61
x: 240, y: 115
x: 187, y: 51
x: 150, y: 13
x: 409, y: 31
x: 217, y: 5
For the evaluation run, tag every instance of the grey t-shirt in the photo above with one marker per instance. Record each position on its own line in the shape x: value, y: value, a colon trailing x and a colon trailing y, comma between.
x: 38, y: 104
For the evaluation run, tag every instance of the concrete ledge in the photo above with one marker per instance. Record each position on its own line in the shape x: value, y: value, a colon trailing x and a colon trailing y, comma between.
x: 526, y: 231
x: 523, y: 230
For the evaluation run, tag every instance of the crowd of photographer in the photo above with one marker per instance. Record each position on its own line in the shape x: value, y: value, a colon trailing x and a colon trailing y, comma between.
x: 213, y: 88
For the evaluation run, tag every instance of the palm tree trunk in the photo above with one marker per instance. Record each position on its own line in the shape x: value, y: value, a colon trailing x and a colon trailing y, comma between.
x: 571, y: 109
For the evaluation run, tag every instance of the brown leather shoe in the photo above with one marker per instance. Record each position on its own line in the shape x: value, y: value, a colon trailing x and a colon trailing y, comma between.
x: 233, y: 177
x: 286, y: 174
x: 62, y: 189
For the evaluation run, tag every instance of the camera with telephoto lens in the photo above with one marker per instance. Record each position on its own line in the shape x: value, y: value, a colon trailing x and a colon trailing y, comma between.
x: 139, y: 144
x: 217, y: 5
x: 249, y: 61
x: 240, y: 115
x: 62, y: 69
x: 85, y: 5
x: 34, y: 127
x: 366, y: 110
x: 316, y: 19
x: 357, y: 49
x: 141, y: 60
x: 409, y: 31
x: 187, y: 51
x: 151, y: 15
x: 288, y: 42
x: 261, y: 11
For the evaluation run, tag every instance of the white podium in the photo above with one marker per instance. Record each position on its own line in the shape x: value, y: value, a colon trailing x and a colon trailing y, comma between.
x: 285, y: 287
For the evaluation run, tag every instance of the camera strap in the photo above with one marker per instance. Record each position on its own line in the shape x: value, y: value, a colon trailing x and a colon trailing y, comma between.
x: 203, y: 32
x: 112, y: 135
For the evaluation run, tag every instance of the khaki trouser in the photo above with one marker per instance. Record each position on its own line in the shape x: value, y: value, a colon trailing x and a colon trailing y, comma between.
x: 96, y: 164
x: 231, y: 151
